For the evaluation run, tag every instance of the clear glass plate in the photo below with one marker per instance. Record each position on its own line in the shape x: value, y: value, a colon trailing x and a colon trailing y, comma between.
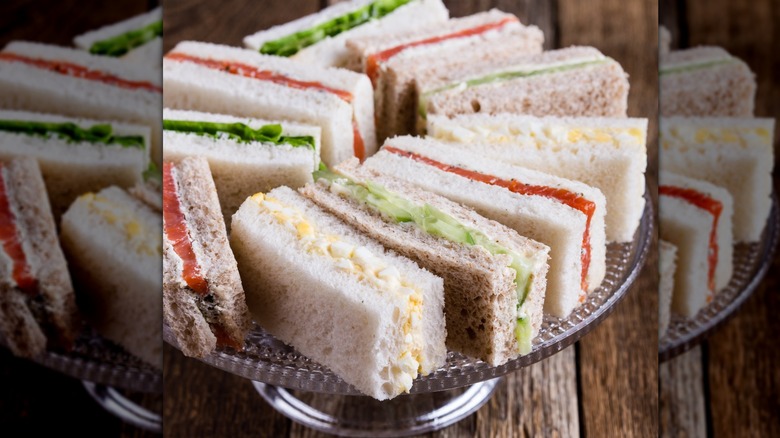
x: 270, y: 361
x: 751, y: 263
x: 98, y: 360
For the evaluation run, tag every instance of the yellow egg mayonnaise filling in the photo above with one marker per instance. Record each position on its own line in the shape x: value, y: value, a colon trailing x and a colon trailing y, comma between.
x: 540, y: 135
x: 360, y: 262
x: 141, y: 239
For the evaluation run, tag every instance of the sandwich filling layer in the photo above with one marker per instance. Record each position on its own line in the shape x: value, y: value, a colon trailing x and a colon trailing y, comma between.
x: 121, y: 44
x: 77, y: 71
x: 176, y: 231
x: 21, y: 272
x: 518, y: 72
x: 248, y: 71
x: 697, y: 64
x: 711, y: 206
x: 375, y: 59
x: 565, y: 197
x: 437, y: 223
x: 239, y: 132
x: 541, y: 135
x: 72, y: 133
x: 361, y: 263
x: 292, y: 44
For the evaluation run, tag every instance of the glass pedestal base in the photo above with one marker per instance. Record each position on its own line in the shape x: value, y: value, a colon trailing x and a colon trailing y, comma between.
x: 124, y: 408
x: 350, y: 415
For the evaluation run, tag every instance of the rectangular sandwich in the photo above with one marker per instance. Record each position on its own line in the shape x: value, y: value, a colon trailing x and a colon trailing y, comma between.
x: 113, y: 243
x: 567, y: 216
x: 76, y: 155
x: 137, y: 39
x: 735, y: 153
x: 245, y: 155
x: 37, y: 303
x: 51, y: 79
x: 609, y: 154
x: 575, y: 81
x: 695, y: 216
x: 392, y: 60
x: 667, y: 268
x: 319, y: 39
x: 203, y: 299
x: 221, y: 79
x: 373, y: 317
x: 706, y: 81
x: 494, y: 279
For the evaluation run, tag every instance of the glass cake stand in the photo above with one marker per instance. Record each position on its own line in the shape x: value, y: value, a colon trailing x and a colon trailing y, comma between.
x: 108, y: 374
x: 310, y: 394
x: 751, y: 263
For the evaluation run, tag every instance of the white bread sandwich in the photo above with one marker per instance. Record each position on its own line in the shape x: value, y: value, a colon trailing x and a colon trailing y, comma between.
x: 203, y: 300
x: 608, y: 154
x: 567, y: 216
x: 227, y: 80
x: 706, y: 81
x: 575, y: 81
x: 695, y: 216
x: 667, y: 266
x: 373, y: 317
x: 76, y: 156
x: 393, y: 60
x: 113, y: 243
x: 494, y: 279
x: 319, y: 39
x: 37, y: 303
x: 137, y: 39
x: 58, y: 80
x: 245, y: 155
x: 735, y: 153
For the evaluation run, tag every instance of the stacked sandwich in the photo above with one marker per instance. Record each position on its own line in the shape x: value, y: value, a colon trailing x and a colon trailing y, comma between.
x: 79, y: 203
x: 461, y: 240
x: 716, y: 183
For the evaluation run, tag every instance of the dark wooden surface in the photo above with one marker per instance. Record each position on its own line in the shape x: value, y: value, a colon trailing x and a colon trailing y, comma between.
x: 604, y: 386
x: 36, y: 401
x: 730, y: 385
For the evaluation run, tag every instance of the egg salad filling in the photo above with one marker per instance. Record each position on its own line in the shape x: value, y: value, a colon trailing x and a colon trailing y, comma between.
x: 694, y: 132
x: 437, y: 223
x: 362, y: 263
x: 140, y: 239
x: 539, y: 134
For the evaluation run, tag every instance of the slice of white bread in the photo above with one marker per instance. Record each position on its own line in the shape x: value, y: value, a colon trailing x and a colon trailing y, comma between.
x: 542, y: 218
x: 583, y: 83
x: 331, y: 51
x: 735, y: 153
x: 197, y: 87
x: 71, y: 169
x: 706, y: 81
x: 667, y: 265
x: 113, y: 243
x: 480, y: 291
x: 689, y: 228
x: 330, y: 313
x: 608, y: 154
x: 28, y: 319
x: 242, y: 169
x: 26, y: 87
x: 220, y: 316
x: 148, y: 54
x: 395, y: 96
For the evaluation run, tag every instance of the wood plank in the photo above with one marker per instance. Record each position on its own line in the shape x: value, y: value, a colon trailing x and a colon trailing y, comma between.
x: 682, y: 404
x: 617, y: 362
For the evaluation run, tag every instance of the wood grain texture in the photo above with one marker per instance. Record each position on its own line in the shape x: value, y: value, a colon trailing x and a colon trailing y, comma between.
x: 542, y: 400
x: 682, y: 405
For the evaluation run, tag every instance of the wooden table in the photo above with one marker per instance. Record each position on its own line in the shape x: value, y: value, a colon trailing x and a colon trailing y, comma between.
x: 606, y: 385
x: 730, y: 384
